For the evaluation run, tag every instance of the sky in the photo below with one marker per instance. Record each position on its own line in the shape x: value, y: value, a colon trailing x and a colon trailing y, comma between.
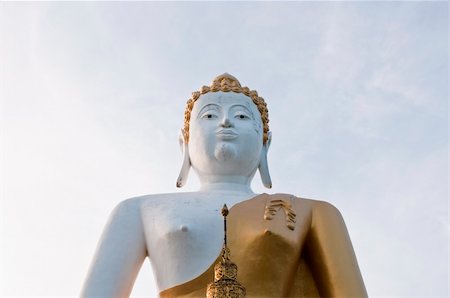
x: 92, y: 102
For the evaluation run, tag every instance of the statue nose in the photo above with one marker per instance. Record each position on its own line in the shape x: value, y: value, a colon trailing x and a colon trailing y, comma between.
x: 225, y: 122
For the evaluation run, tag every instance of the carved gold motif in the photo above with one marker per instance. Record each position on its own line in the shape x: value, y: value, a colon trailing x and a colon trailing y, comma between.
x: 227, y: 83
x: 225, y: 284
x: 274, y: 205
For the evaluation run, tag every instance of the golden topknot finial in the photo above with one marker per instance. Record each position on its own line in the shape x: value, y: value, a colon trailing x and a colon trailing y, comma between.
x: 225, y: 284
x: 224, y: 211
x: 226, y: 83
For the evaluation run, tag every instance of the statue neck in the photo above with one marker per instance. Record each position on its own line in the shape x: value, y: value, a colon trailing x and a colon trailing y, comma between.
x: 228, y: 184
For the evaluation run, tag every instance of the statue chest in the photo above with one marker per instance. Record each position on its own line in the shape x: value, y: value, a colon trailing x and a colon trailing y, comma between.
x: 189, y: 224
x: 182, y: 238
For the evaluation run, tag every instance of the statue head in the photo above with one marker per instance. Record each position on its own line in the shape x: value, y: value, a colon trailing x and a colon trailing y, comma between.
x: 227, y: 83
x: 226, y: 132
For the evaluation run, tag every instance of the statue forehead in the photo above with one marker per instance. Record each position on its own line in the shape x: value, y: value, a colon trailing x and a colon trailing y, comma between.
x: 224, y: 99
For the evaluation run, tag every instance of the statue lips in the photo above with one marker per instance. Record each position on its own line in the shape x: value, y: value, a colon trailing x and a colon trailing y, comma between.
x: 227, y: 134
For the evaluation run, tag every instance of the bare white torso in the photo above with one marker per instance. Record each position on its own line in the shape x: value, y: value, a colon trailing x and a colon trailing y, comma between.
x: 184, y: 232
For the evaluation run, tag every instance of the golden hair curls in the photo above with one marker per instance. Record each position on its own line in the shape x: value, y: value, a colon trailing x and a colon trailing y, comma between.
x: 227, y: 83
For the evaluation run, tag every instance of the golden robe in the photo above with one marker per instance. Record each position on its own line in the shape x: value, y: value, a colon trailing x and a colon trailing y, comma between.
x: 286, y: 247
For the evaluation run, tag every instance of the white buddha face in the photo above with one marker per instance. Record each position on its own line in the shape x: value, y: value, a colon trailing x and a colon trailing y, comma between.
x: 225, y: 134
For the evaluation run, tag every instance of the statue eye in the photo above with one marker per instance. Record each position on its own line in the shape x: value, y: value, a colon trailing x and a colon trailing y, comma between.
x: 242, y: 116
x: 209, y: 116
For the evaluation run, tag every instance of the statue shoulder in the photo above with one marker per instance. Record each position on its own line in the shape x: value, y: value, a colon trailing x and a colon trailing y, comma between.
x: 131, y: 207
x: 313, y: 202
x: 318, y: 208
x: 139, y: 203
x: 127, y: 212
x: 323, y: 212
x: 324, y: 207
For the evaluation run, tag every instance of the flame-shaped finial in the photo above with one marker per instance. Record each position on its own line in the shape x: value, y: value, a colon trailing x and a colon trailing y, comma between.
x: 225, y: 271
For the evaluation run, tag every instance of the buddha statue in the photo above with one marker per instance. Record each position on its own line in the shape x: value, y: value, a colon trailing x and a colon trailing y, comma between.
x: 282, y: 245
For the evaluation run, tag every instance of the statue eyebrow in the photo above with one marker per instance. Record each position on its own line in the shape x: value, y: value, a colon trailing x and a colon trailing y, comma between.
x: 209, y: 106
x: 241, y: 106
x: 245, y: 108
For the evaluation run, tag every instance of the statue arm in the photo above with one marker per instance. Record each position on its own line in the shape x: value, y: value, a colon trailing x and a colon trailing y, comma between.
x: 119, y: 256
x: 330, y: 254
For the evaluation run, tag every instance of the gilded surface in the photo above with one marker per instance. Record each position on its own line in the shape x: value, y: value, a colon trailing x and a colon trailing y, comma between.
x: 315, y: 259
x: 225, y: 283
x: 275, y: 205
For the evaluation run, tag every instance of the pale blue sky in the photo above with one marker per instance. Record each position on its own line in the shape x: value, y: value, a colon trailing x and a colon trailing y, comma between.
x: 92, y: 103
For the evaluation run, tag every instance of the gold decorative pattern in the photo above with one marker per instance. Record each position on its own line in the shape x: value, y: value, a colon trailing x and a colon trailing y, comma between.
x: 274, y: 205
x: 227, y: 83
x: 225, y: 284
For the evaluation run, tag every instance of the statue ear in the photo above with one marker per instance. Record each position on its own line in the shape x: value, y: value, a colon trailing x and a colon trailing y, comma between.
x: 184, y: 172
x: 263, y: 166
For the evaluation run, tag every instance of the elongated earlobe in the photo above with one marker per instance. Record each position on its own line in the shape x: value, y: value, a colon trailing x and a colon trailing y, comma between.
x: 184, y: 172
x: 263, y: 166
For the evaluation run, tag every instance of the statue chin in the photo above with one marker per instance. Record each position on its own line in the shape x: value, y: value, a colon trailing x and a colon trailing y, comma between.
x: 225, y: 152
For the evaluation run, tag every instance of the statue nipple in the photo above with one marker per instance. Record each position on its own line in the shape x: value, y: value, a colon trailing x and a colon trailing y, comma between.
x: 225, y: 272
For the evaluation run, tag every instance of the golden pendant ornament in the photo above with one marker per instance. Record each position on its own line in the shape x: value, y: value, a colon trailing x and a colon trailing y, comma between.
x: 225, y: 284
